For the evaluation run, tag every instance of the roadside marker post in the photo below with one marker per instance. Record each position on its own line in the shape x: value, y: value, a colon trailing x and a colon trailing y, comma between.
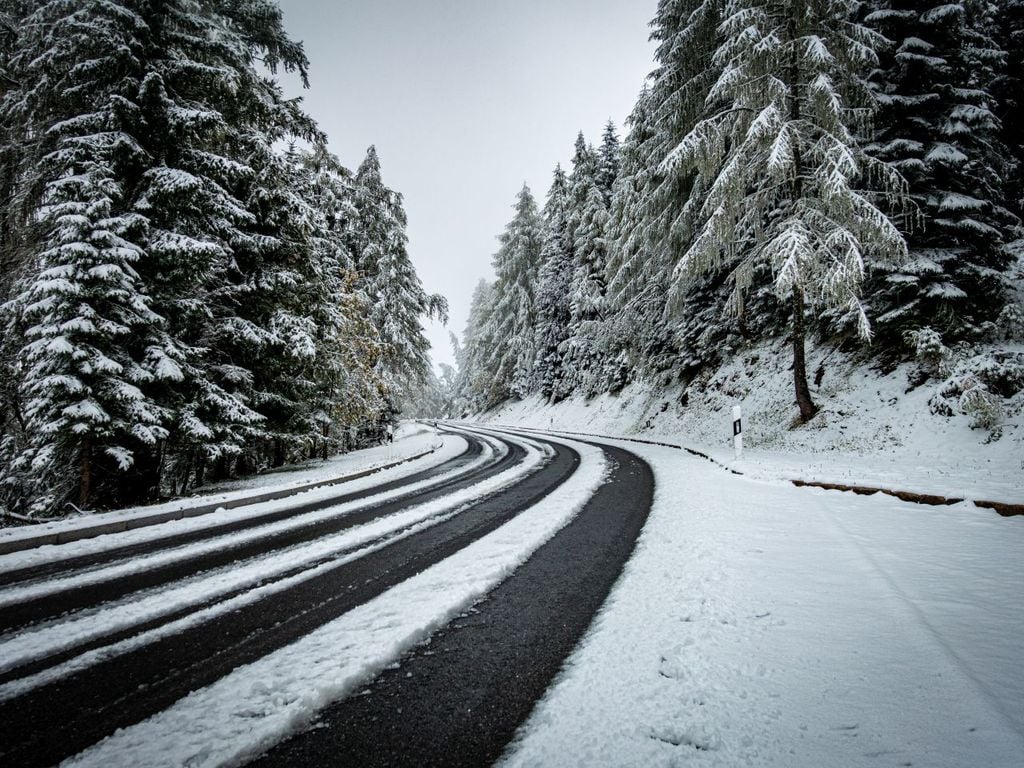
x: 737, y: 431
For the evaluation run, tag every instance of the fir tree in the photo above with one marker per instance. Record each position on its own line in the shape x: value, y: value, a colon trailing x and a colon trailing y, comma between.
x: 397, y: 300
x: 586, y: 234
x: 477, y: 388
x: 349, y: 391
x: 1008, y: 90
x: 514, y: 313
x: 554, y: 281
x: 653, y: 216
x: 608, y: 162
x: 667, y: 196
x: 587, y: 293
x: 637, y: 330
x: 208, y: 119
x: 180, y: 298
x: 937, y: 128
x: 92, y: 340
x: 779, y: 149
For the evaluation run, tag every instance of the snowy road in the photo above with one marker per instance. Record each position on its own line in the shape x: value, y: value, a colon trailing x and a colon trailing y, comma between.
x: 207, y: 641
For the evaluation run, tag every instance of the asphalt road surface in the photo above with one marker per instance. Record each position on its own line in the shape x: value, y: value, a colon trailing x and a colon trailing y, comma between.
x: 455, y: 700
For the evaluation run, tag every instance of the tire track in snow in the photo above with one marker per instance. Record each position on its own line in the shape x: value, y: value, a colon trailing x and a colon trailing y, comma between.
x: 51, y: 598
x: 92, y: 703
x: 78, y: 555
x: 35, y: 650
x: 462, y: 695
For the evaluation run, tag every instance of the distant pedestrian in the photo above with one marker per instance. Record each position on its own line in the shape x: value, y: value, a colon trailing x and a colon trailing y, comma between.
x: 391, y: 434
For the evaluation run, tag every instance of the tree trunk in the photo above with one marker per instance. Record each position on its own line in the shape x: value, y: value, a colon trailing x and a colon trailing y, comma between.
x: 85, y: 476
x: 200, y: 476
x: 803, y: 392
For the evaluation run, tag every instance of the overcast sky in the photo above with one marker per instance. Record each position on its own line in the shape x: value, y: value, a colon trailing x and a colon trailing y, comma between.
x: 465, y: 100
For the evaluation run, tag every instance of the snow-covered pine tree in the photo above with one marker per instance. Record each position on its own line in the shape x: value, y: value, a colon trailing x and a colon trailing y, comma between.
x: 778, y: 146
x: 629, y: 271
x: 587, y: 305
x: 1008, y: 90
x: 586, y: 222
x: 350, y: 392
x: 609, y: 161
x: 554, y: 281
x: 665, y: 197
x: 475, y: 389
x: 937, y: 128
x: 514, y: 312
x: 635, y: 292
x: 654, y: 209
x: 398, y: 303
x: 184, y: 279
x: 208, y: 116
x: 88, y: 363
x: 283, y: 281
x: 12, y: 160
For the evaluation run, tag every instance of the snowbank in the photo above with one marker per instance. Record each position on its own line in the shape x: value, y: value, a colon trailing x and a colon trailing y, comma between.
x: 762, y: 624
x: 411, y: 441
x: 873, y: 428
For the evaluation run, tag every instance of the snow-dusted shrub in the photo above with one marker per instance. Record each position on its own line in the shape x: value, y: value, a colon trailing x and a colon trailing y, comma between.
x: 982, y: 387
x: 929, y: 350
x: 1011, y: 321
x: 982, y: 406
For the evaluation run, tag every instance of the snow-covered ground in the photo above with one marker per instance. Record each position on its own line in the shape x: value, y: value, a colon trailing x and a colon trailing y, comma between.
x: 763, y: 624
x: 411, y: 440
x: 871, y: 430
x: 756, y: 624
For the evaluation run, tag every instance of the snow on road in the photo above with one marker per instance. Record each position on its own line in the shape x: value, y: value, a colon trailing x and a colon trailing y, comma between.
x: 451, y: 447
x: 762, y: 624
x: 411, y: 440
x: 315, y: 556
x: 255, y: 706
x: 756, y: 624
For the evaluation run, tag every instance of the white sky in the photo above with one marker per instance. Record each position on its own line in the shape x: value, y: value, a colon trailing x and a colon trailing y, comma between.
x: 465, y: 100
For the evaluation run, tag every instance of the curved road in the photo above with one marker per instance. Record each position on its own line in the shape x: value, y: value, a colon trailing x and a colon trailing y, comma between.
x: 460, y: 702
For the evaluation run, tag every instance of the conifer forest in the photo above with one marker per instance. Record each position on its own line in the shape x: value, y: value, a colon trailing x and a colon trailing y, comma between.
x: 533, y: 384
x: 195, y: 288
x: 846, y: 172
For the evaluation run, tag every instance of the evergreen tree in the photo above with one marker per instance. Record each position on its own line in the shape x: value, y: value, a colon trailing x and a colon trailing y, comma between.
x: 586, y: 233
x: 514, y: 313
x: 554, y: 281
x: 635, y: 290
x: 631, y: 269
x: 477, y: 387
x: 208, y: 119
x: 1008, y: 90
x: 92, y: 341
x: 397, y: 300
x: 937, y: 128
x: 349, y: 391
x: 667, y: 195
x: 654, y: 212
x: 779, y: 149
x: 608, y: 162
x: 587, y: 293
x: 179, y: 296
